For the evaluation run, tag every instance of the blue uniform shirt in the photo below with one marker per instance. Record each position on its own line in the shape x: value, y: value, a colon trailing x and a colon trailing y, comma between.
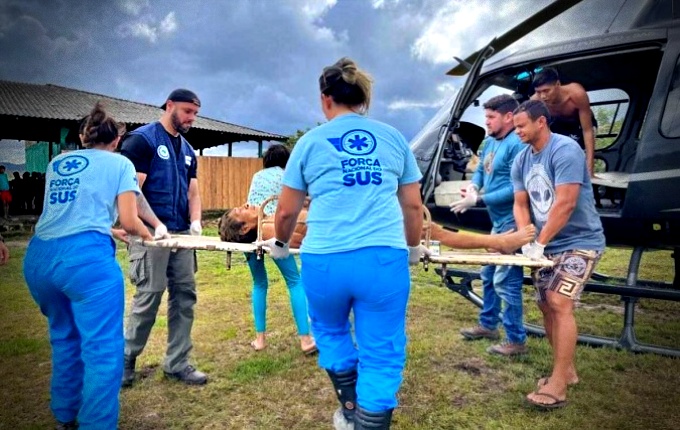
x: 81, y: 190
x: 351, y: 168
x: 560, y: 162
x: 493, y: 176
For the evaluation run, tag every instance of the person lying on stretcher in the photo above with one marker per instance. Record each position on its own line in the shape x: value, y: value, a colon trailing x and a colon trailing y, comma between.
x: 240, y: 225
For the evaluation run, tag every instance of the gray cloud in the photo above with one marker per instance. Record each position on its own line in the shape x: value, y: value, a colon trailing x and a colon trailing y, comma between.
x: 256, y: 62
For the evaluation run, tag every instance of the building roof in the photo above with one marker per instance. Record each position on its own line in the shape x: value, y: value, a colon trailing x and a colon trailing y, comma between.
x: 26, y: 109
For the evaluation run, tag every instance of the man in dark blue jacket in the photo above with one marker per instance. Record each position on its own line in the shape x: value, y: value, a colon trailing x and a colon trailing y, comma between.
x: 166, y: 170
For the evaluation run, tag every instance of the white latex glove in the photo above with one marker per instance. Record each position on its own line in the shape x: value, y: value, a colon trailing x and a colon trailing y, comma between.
x: 416, y: 252
x: 277, y: 249
x: 196, y: 228
x: 469, y: 200
x: 161, y: 232
x: 534, y: 250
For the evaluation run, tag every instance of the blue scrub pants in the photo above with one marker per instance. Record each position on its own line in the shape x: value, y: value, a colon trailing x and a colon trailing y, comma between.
x: 298, y: 302
x: 79, y: 287
x: 374, y: 284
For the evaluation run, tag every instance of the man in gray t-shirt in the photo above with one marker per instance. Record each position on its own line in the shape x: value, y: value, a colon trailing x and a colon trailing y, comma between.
x: 553, y: 190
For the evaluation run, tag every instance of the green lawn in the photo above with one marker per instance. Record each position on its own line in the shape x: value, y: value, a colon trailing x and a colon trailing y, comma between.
x: 448, y: 383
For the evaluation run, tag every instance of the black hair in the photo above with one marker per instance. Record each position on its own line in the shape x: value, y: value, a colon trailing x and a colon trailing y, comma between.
x: 502, y: 104
x: 534, y: 110
x: 346, y: 84
x: 276, y: 156
x: 230, y: 230
x: 547, y: 76
x: 100, y: 128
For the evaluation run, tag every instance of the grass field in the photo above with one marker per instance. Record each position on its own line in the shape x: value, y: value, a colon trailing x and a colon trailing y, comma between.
x: 448, y: 383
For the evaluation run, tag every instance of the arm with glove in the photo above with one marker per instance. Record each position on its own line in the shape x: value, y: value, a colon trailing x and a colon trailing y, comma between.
x: 196, y: 229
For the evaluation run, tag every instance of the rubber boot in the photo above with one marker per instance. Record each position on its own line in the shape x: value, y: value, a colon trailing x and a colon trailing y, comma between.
x: 365, y: 420
x: 128, y: 371
x: 345, y: 384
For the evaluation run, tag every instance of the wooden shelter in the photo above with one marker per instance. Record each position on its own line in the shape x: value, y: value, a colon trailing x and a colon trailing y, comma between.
x: 51, y: 113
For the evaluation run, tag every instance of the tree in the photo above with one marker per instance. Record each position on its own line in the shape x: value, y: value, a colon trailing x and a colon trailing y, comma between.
x: 293, y: 138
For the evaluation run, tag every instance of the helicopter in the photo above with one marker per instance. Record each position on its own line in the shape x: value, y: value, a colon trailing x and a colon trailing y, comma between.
x: 632, y: 78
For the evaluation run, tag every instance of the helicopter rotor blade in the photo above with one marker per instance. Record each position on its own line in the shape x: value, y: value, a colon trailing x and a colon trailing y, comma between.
x: 522, y: 29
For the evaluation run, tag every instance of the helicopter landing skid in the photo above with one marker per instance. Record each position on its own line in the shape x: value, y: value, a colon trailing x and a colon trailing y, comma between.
x: 633, y: 290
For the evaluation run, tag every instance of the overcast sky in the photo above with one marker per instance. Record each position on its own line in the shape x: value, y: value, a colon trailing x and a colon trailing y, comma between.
x: 256, y: 62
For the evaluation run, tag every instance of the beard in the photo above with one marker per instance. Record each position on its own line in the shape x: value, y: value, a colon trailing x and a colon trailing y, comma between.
x: 493, y: 133
x: 177, y: 124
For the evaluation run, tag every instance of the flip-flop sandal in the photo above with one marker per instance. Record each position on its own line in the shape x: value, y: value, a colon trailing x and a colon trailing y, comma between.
x: 547, y: 406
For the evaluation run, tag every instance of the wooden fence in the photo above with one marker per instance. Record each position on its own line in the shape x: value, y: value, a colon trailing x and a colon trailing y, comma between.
x: 224, y: 181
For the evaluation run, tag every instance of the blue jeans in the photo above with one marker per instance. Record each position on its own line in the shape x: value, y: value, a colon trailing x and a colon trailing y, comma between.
x: 78, y: 285
x: 503, y: 284
x: 298, y: 301
x: 374, y: 283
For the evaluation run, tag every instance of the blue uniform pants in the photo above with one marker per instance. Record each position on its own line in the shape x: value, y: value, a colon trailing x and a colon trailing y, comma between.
x: 298, y: 302
x: 374, y: 284
x: 503, y: 284
x: 79, y: 287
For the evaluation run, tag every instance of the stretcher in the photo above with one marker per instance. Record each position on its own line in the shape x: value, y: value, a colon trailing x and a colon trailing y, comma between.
x: 208, y: 243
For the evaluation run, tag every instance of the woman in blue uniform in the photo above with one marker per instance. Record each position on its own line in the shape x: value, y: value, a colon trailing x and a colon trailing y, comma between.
x: 363, y: 229
x: 72, y: 273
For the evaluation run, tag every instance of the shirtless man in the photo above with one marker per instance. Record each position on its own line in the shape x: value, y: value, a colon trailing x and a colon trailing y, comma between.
x: 569, y: 107
x: 240, y: 225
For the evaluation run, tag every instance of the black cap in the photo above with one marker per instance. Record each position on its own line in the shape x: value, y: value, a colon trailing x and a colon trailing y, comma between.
x: 182, y: 95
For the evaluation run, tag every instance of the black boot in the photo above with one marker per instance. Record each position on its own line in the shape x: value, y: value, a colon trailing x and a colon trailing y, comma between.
x: 128, y: 371
x: 345, y: 384
x: 364, y: 420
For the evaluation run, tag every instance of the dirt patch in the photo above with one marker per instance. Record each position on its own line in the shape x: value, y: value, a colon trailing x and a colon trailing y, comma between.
x: 473, y: 366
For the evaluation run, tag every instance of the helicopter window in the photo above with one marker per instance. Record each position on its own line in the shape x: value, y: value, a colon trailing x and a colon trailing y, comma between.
x: 609, y: 107
x: 670, y: 122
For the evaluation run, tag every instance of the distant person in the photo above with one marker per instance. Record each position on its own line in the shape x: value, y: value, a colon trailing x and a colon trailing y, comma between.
x: 29, y: 192
x: 4, y: 251
x: 491, y: 184
x: 553, y: 190
x: 569, y: 107
x: 5, y: 195
x: 39, y: 187
x: 72, y: 273
x: 363, y: 229
x: 16, y: 189
x: 166, y: 168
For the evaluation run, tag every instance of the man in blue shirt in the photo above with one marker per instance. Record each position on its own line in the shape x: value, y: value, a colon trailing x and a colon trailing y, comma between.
x: 166, y: 171
x: 553, y: 190
x: 5, y: 195
x: 491, y: 184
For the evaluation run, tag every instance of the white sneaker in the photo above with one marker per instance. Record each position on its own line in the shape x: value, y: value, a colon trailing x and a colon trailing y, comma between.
x: 340, y: 422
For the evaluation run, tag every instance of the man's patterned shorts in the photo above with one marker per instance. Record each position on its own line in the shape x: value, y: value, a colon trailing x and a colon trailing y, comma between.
x: 568, y: 276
